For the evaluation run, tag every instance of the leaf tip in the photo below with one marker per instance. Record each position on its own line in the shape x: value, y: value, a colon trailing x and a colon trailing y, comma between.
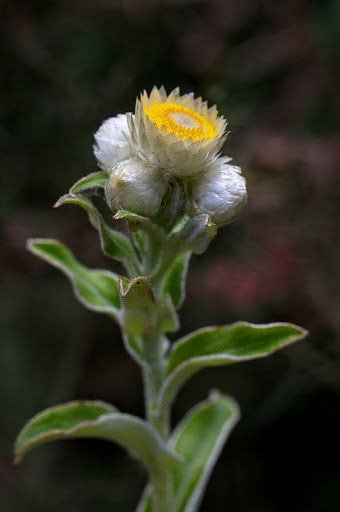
x: 30, y: 243
x: 17, y: 460
x: 214, y: 395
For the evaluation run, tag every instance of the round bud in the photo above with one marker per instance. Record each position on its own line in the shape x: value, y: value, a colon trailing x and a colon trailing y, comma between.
x: 111, y: 145
x: 219, y: 192
x: 135, y: 186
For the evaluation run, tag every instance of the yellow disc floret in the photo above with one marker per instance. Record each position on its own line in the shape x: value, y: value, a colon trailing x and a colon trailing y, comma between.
x: 181, y: 121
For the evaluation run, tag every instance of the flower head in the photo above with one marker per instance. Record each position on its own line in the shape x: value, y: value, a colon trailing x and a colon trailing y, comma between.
x: 220, y: 192
x: 135, y: 186
x: 111, y: 145
x: 171, y: 139
x: 180, y: 134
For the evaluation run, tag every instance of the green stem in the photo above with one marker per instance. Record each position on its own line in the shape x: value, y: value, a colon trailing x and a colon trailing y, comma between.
x: 153, y: 374
x: 154, y: 245
x: 162, y: 491
x: 161, y: 478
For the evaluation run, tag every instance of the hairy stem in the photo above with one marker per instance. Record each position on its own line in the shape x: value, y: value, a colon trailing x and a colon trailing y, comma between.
x: 162, y: 491
x: 153, y: 375
x: 161, y: 478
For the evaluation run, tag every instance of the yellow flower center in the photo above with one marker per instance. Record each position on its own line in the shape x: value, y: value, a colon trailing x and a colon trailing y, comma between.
x: 181, y: 121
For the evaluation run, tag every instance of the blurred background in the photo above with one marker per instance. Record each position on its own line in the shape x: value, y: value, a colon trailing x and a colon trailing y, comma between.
x: 271, y: 69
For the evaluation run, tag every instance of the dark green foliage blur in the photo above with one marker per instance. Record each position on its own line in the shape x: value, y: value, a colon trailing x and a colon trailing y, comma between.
x: 271, y: 68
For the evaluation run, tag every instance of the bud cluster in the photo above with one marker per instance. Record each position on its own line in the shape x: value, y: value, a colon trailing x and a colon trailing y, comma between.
x: 169, y: 137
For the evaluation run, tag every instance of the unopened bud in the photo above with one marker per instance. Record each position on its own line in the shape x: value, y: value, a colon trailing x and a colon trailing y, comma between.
x: 135, y: 186
x: 111, y: 146
x: 220, y: 192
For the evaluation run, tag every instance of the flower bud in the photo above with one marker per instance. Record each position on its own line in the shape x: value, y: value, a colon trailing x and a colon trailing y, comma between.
x: 220, y: 192
x: 135, y: 186
x: 111, y: 146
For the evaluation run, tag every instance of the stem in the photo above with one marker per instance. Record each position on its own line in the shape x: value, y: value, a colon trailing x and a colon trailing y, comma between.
x: 163, y: 499
x: 162, y: 491
x: 153, y: 375
x: 154, y: 245
x: 161, y: 478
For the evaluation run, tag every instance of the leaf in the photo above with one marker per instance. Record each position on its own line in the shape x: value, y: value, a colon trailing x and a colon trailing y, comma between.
x: 93, y: 180
x: 174, y: 283
x: 215, y: 346
x: 113, y: 243
x: 85, y: 419
x: 141, y: 312
x: 199, y: 438
x: 96, y: 289
x: 49, y: 424
x: 83, y: 202
x: 144, y: 504
x: 195, y: 236
x: 140, y: 241
x: 137, y: 222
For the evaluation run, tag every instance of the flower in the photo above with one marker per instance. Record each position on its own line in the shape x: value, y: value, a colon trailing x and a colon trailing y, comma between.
x: 135, y: 186
x: 219, y: 192
x: 170, y: 140
x: 111, y: 145
x: 180, y: 134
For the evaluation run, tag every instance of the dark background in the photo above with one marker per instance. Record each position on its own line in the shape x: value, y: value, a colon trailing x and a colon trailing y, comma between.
x: 271, y: 68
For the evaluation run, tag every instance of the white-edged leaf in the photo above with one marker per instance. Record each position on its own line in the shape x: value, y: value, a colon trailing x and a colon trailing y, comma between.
x: 141, y: 313
x: 94, y: 180
x: 216, y: 346
x: 96, y: 289
x: 86, y: 419
x: 137, y: 222
x: 113, y: 243
x: 174, y: 283
x: 193, y: 237
x: 199, y: 439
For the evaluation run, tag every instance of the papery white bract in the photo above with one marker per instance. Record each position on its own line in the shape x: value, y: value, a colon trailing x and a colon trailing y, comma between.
x: 111, y: 145
x: 219, y: 192
x: 180, y: 134
x: 135, y: 186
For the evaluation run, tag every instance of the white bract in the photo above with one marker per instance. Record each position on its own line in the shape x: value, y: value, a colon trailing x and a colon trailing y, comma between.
x: 111, y: 145
x: 135, y: 186
x: 180, y: 134
x: 219, y: 192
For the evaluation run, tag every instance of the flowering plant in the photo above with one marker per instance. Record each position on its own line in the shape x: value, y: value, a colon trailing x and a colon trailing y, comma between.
x: 161, y: 173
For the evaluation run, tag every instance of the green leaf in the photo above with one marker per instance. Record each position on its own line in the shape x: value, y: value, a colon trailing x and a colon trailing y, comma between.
x: 96, y: 289
x: 195, y: 236
x: 137, y: 222
x: 141, y: 312
x: 199, y: 438
x: 84, y: 419
x: 140, y: 241
x: 144, y: 504
x: 113, y: 243
x: 215, y: 346
x: 48, y: 425
x: 174, y: 283
x: 93, y: 180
